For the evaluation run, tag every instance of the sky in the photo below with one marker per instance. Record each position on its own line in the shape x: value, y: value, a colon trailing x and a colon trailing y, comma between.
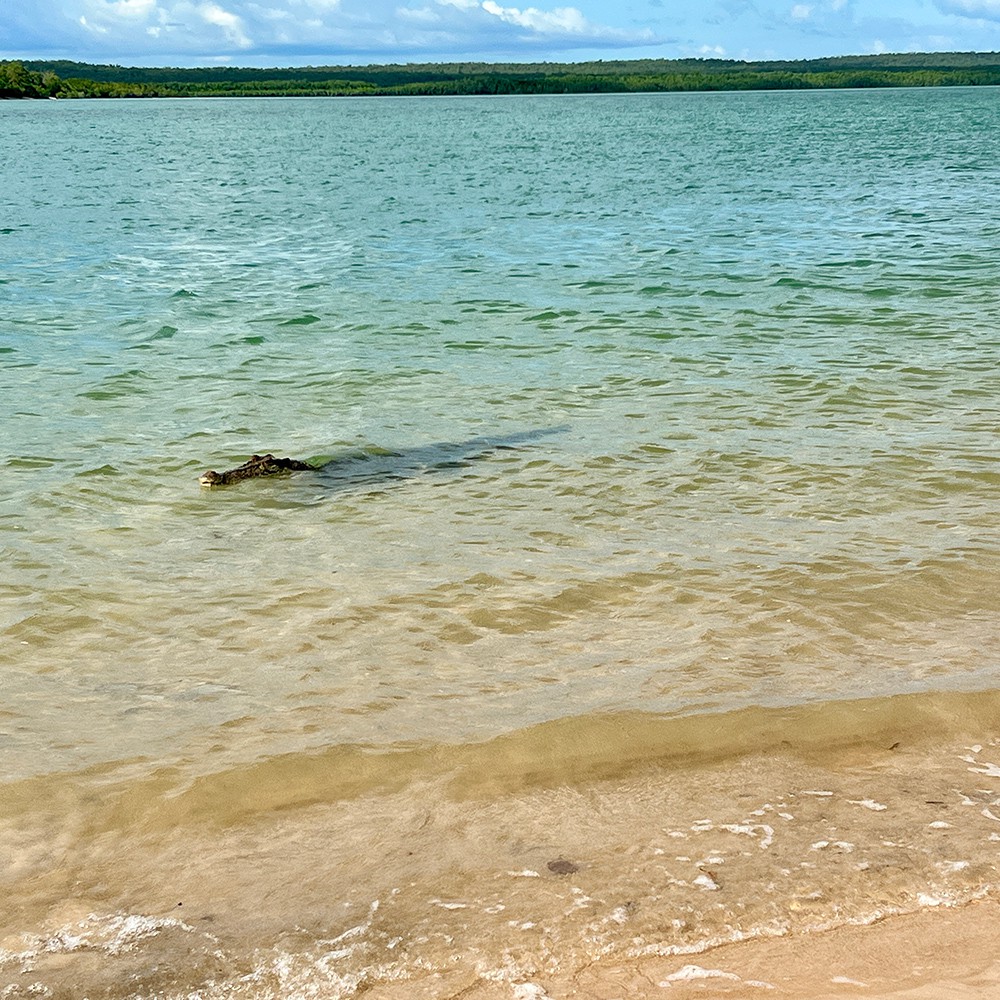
x: 360, y: 32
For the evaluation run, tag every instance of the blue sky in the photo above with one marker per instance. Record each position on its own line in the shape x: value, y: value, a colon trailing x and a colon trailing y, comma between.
x: 301, y: 32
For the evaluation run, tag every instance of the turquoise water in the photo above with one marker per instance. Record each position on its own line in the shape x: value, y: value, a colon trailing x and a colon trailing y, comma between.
x: 672, y: 404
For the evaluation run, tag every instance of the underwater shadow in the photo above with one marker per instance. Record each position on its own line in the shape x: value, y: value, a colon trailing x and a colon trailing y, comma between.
x: 375, y: 467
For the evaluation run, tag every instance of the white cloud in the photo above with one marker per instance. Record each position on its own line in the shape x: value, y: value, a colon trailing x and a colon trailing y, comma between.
x: 132, y: 8
x: 988, y: 10
x: 96, y: 28
x: 562, y: 19
x: 801, y: 12
x: 109, y: 12
x: 712, y: 50
x: 231, y: 25
x: 540, y: 25
x: 285, y: 32
x: 130, y: 25
x: 423, y: 15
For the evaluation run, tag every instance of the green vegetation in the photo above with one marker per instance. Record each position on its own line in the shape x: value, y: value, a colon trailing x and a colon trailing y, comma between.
x: 65, y: 79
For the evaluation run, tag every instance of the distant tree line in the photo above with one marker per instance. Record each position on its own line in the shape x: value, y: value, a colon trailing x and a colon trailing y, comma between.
x: 65, y: 79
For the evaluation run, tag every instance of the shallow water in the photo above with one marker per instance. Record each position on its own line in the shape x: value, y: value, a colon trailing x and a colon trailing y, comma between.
x: 637, y: 412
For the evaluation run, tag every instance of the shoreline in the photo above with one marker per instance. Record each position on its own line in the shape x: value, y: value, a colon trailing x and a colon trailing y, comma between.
x: 934, y: 953
x: 943, y: 953
x: 602, y: 889
x: 73, y: 80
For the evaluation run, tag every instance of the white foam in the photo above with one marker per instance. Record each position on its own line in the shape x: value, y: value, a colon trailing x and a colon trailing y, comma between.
x: 939, y: 824
x: 843, y: 846
x: 750, y: 830
x: 990, y: 770
x: 529, y: 991
x: 947, y: 898
x: 508, y: 972
x: 844, y: 981
x: 706, y: 883
x: 663, y: 950
x: 527, y: 873
x: 302, y: 978
x: 926, y: 899
x: 821, y: 794
x: 338, y: 954
x: 868, y: 804
x: 31, y: 990
x: 113, y: 934
x: 349, y: 933
x: 690, y: 973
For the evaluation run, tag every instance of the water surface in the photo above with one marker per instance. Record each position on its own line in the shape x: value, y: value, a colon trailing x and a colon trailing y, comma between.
x: 637, y: 412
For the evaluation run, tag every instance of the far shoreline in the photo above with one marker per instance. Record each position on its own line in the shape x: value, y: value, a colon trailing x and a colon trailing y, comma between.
x: 70, y: 80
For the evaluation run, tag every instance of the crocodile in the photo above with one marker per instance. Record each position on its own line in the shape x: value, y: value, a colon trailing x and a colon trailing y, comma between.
x: 257, y: 466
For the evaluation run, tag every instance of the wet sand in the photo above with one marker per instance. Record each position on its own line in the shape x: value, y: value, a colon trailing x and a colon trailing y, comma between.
x: 945, y: 954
